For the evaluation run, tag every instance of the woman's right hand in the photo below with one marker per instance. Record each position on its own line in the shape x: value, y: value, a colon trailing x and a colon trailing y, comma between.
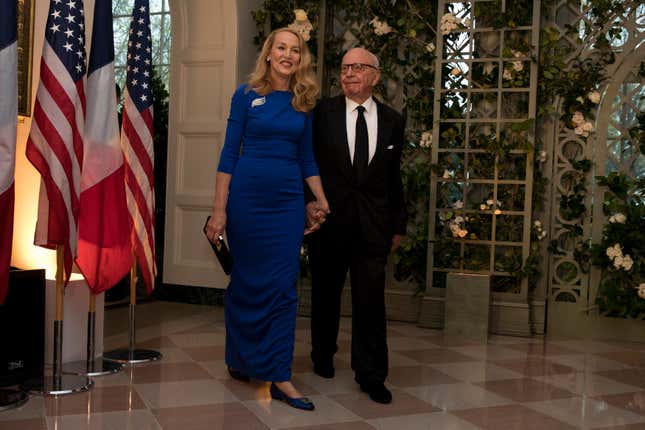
x: 216, y: 225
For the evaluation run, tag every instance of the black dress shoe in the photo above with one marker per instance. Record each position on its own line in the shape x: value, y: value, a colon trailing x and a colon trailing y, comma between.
x: 236, y: 374
x: 378, y: 392
x: 324, y: 371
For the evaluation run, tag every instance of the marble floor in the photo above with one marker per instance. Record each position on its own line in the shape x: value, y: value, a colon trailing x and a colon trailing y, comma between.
x: 437, y: 383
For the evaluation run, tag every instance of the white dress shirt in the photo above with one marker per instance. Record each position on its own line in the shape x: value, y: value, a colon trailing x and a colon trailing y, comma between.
x: 371, y: 118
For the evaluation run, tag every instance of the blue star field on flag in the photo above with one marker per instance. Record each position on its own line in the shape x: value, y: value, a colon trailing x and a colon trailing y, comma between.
x: 65, y: 33
x: 139, y: 63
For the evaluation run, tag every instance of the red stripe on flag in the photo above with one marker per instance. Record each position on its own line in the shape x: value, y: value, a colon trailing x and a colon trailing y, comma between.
x: 146, y: 212
x: 58, y: 222
x: 147, y: 272
x: 58, y: 147
x: 138, y: 148
x: 142, y: 190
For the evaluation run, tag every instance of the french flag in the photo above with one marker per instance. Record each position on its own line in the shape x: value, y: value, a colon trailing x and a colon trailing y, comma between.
x: 104, y: 245
x: 8, y: 115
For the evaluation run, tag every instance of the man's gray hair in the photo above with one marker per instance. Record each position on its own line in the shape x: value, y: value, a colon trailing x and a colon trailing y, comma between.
x: 374, y: 59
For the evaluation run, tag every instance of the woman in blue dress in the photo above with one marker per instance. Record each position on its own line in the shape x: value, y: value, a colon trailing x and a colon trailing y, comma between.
x: 259, y: 201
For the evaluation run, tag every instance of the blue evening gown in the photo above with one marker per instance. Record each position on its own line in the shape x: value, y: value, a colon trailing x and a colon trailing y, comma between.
x: 268, y: 151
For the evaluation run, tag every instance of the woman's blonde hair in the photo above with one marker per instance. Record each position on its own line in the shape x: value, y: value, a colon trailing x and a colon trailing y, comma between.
x: 302, y: 84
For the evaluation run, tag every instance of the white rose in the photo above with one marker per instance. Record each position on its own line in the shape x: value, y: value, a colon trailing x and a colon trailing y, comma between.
x: 459, y: 219
x: 458, y: 204
x: 542, y: 234
x: 641, y: 291
x: 618, y: 218
x: 537, y: 223
x: 627, y: 263
x: 594, y: 97
x: 426, y: 139
x: 517, y: 54
x: 488, y: 68
x: 579, y: 99
x: 581, y: 131
x: 448, y: 23
x: 587, y: 126
x: 490, y: 202
x: 518, y: 66
x: 618, y: 261
x: 447, y: 174
x: 542, y: 156
x: 507, y: 75
x: 380, y: 27
x: 430, y: 47
x: 303, y: 28
x: 578, y: 118
x: 614, y: 251
x: 301, y: 15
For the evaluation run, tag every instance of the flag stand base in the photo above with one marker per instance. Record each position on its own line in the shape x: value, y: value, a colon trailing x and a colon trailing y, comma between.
x: 10, y: 399
x: 98, y: 367
x: 135, y: 356
x: 57, y: 386
x: 130, y: 355
x: 92, y: 366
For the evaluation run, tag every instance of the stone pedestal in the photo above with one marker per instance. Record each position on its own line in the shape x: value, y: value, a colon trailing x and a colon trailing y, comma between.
x: 75, y: 307
x: 467, y: 306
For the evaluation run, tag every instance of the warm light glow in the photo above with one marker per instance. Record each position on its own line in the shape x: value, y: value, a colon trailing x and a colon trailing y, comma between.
x: 25, y: 255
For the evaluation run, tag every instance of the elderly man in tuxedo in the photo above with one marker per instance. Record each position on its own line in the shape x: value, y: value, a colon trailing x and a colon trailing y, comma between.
x: 357, y: 144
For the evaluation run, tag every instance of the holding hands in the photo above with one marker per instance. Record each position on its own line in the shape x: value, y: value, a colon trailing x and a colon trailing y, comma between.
x: 316, y: 213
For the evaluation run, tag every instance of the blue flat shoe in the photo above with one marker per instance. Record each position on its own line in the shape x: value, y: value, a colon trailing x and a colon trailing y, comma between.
x: 299, y: 403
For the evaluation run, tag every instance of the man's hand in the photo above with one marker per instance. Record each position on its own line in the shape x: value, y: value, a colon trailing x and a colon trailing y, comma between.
x: 315, y: 215
x: 396, y: 241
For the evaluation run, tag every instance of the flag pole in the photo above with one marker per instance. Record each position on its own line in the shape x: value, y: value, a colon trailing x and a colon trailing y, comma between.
x: 57, y: 383
x: 132, y: 355
x: 92, y: 366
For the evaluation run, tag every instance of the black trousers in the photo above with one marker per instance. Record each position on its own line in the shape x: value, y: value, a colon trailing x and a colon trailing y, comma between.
x: 331, y: 255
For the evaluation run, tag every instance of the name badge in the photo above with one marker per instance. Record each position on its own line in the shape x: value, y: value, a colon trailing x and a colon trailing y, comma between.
x: 258, y: 102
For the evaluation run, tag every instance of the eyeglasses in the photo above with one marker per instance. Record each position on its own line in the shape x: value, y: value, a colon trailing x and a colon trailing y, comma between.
x: 356, y: 67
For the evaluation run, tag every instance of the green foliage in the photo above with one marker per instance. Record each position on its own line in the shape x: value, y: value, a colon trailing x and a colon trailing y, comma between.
x: 279, y: 13
x: 566, y: 90
x: 618, y: 295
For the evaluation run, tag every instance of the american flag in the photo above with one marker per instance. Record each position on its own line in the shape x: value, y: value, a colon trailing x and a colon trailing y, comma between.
x: 136, y: 141
x: 55, y: 144
x: 104, y: 227
x: 8, y: 113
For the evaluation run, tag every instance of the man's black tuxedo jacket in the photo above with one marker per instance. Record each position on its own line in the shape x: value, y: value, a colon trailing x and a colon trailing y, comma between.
x: 375, y: 207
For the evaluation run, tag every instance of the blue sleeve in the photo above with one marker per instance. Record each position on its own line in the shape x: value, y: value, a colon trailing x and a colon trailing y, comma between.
x: 234, y: 132
x: 307, y: 162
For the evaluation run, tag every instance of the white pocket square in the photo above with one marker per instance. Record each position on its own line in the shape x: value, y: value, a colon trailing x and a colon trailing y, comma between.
x: 390, y: 147
x: 258, y: 102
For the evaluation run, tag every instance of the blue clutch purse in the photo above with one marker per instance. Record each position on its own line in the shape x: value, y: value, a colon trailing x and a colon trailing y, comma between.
x: 221, y: 252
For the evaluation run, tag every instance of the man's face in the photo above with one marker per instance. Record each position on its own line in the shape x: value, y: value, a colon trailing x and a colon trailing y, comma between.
x: 358, y: 84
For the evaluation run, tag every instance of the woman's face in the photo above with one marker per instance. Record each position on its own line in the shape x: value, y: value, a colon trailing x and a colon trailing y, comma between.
x: 284, y: 56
